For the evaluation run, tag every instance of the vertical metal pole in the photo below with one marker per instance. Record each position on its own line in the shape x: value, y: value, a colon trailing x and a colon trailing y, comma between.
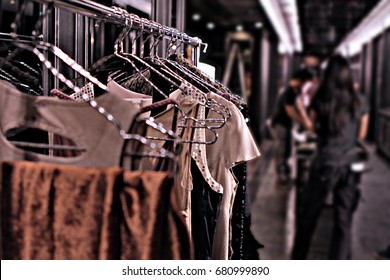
x: 56, y: 42
x: 180, y: 19
x: 64, y: 38
x: 46, y: 84
x: 162, y: 13
x: 180, y: 14
x: 196, y: 53
x: 87, y: 40
x: 79, y: 39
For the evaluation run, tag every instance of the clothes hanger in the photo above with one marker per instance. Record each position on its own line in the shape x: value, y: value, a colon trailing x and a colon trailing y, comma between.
x: 200, y: 96
x: 212, y: 104
x: 184, y: 116
x: 70, y: 62
x: 119, y: 52
x: 194, y: 76
x: 120, y: 76
x: 19, y: 75
x: 173, y: 144
x: 197, y: 149
x: 19, y: 78
x: 21, y: 85
x: 29, y: 68
x: 218, y: 87
x: 79, y: 69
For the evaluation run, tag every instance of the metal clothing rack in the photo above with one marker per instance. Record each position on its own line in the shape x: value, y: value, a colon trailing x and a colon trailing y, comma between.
x: 100, y: 12
x: 20, y: 38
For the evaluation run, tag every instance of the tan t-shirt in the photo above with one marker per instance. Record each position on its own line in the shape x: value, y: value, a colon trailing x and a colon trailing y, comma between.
x: 235, y: 144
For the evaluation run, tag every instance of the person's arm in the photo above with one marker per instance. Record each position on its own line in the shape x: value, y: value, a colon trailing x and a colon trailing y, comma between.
x: 306, y: 122
x: 313, y: 120
x: 293, y: 114
x: 363, y: 127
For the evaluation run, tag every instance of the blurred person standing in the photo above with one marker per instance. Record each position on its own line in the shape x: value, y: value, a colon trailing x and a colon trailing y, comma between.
x: 288, y: 109
x: 310, y: 87
x: 340, y: 118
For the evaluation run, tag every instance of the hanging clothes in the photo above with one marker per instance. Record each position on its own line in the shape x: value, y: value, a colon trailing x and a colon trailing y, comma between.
x: 110, y: 194
x: 221, y: 158
x: 65, y: 212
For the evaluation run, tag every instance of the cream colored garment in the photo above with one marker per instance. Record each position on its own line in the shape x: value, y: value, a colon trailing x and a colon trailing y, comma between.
x: 189, y: 104
x: 184, y: 186
x: 235, y: 144
x: 78, y: 121
x: 138, y: 100
x: 198, y: 149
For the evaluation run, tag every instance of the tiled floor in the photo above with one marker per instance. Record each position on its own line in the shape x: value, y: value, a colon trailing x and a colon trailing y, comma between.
x: 273, y: 211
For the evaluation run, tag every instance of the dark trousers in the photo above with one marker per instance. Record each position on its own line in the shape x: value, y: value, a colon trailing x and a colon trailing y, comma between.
x: 322, y: 180
x: 282, y: 149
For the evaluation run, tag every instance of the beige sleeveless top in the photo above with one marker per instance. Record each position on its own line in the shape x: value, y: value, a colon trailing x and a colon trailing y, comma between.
x: 79, y: 122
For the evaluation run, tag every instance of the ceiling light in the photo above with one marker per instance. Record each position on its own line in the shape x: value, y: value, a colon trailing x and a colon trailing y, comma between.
x: 258, y: 25
x: 387, y: 21
x: 239, y: 27
x: 282, y: 48
x: 196, y: 17
x: 283, y: 15
x: 371, y: 26
x: 210, y: 25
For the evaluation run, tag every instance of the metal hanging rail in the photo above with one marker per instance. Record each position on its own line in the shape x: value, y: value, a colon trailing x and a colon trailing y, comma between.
x: 21, y: 38
x: 100, y: 12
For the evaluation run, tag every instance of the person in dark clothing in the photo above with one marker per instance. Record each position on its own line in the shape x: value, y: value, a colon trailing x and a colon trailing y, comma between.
x: 287, y: 111
x: 340, y: 116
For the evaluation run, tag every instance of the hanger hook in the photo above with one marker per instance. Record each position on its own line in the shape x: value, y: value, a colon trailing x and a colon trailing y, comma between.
x: 158, y: 39
x: 143, y: 22
x: 39, y: 23
x: 172, y: 42
x: 178, y: 41
x: 118, y: 47
x: 14, y: 28
x: 15, y: 23
x: 151, y: 35
x: 133, y: 45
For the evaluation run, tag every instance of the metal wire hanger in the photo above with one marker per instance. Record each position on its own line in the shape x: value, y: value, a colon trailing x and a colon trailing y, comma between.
x: 185, y: 86
x: 213, y: 104
x: 79, y: 69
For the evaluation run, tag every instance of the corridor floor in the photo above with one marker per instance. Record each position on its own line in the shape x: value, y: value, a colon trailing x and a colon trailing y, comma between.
x: 273, y: 211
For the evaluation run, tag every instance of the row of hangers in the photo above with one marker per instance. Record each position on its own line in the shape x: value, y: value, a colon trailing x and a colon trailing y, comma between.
x: 121, y: 65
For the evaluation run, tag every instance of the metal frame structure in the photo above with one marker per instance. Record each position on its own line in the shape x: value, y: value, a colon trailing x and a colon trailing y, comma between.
x: 100, y: 12
x: 73, y: 26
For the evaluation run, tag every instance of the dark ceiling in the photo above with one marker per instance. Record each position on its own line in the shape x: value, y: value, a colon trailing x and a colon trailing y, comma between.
x: 324, y: 23
x: 224, y: 13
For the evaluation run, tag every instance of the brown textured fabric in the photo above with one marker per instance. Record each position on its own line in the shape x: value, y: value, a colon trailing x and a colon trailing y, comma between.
x: 138, y: 83
x: 66, y: 212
